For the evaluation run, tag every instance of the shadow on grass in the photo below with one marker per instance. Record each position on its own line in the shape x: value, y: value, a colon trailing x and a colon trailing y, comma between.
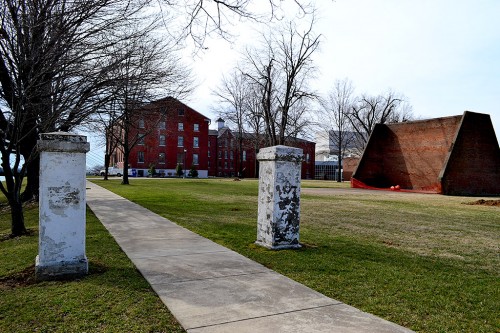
x: 29, y: 233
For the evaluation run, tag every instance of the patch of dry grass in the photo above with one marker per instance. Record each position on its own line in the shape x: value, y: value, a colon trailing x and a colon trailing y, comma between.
x: 425, y: 224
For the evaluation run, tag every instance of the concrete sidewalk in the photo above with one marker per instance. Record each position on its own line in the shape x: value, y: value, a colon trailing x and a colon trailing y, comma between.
x: 211, y: 289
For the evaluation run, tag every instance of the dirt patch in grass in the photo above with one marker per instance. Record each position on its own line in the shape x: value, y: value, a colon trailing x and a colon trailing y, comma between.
x: 20, y: 279
x: 483, y: 202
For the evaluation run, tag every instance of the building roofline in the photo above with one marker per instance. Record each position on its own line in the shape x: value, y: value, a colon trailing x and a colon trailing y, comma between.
x: 175, y: 100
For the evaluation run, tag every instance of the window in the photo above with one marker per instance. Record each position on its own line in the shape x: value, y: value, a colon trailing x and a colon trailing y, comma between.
x: 244, y: 155
x: 209, y: 143
x: 161, y: 158
x: 209, y: 153
x: 196, y: 127
x: 180, y: 112
x: 225, y: 154
x: 141, y: 123
x: 180, y: 141
x: 195, y: 159
x: 162, y: 125
x: 220, y: 154
x: 140, y: 140
x: 225, y: 143
x: 307, y: 158
x: 196, y: 142
x: 180, y: 158
x: 225, y: 165
x: 231, y: 154
x: 162, y: 140
x: 140, y: 157
x: 163, y: 110
x: 180, y: 126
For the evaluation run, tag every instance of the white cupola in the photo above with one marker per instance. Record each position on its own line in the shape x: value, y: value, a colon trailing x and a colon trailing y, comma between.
x: 220, y: 124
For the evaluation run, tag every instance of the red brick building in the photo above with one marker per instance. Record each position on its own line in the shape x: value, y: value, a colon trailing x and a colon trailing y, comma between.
x: 228, y: 160
x: 173, y: 133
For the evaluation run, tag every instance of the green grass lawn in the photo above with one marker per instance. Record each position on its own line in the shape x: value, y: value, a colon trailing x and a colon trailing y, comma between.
x: 427, y: 262
x: 114, y: 297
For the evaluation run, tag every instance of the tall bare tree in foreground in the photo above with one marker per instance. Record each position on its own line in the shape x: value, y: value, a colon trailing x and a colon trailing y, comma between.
x: 51, y: 78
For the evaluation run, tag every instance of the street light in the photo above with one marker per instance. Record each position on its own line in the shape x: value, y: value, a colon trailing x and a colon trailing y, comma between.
x: 184, y: 174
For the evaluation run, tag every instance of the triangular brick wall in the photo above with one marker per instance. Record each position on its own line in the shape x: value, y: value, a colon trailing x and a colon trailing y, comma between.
x: 473, y: 165
x: 456, y: 155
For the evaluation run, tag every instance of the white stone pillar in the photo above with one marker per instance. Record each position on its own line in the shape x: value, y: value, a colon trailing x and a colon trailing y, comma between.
x: 61, y: 244
x: 279, y: 197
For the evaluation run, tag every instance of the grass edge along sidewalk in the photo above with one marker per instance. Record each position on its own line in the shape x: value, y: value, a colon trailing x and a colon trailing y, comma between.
x: 114, y: 297
x: 440, y: 290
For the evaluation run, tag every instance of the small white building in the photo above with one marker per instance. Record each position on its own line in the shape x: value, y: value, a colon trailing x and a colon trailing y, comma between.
x: 327, y: 147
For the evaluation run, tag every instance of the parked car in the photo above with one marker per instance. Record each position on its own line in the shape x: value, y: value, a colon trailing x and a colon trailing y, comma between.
x: 112, y: 172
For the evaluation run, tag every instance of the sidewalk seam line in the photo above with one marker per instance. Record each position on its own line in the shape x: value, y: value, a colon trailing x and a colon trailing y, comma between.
x: 266, y: 316
x: 212, y: 278
x: 188, y: 254
x: 174, y: 255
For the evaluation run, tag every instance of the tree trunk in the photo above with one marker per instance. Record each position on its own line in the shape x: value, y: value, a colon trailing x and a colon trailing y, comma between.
x: 31, y: 191
x: 106, y: 165
x: 339, y: 179
x: 240, y: 155
x: 125, y: 167
x: 16, y: 211
x: 32, y: 160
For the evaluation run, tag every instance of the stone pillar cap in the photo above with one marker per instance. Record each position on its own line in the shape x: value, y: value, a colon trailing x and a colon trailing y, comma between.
x: 63, y: 142
x: 280, y: 153
x: 63, y: 136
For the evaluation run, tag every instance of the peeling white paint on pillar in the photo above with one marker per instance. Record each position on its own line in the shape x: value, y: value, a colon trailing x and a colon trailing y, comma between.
x: 61, y: 244
x: 279, y: 197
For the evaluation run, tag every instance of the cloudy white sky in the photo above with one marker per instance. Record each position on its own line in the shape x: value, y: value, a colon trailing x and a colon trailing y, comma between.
x: 444, y: 55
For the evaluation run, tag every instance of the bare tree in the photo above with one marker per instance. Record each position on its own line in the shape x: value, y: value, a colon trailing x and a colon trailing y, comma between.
x: 104, y: 122
x: 280, y: 71
x: 299, y: 121
x: 233, y: 98
x: 255, y: 122
x: 334, y: 119
x: 371, y: 110
x: 198, y: 19
x: 51, y: 77
x: 148, y: 70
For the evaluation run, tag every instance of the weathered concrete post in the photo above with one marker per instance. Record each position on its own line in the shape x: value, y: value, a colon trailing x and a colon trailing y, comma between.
x: 61, y: 244
x: 279, y: 197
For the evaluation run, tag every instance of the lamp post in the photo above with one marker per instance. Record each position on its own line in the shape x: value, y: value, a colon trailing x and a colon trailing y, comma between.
x: 184, y: 174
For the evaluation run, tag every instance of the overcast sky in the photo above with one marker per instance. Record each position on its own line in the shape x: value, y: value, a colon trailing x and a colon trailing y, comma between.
x: 443, y: 55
